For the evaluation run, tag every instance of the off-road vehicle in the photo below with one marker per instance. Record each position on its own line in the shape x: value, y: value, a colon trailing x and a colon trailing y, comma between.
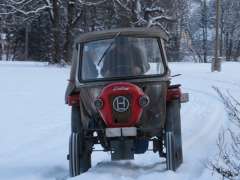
x: 122, y: 98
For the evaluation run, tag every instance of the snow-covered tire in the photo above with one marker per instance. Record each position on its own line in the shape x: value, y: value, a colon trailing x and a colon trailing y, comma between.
x: 74, y: 155
x: 79, y: 155
x: 173, y: 138
x: 79, y: 150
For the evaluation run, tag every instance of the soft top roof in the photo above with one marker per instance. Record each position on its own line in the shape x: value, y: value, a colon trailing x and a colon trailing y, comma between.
x: 144, y: 32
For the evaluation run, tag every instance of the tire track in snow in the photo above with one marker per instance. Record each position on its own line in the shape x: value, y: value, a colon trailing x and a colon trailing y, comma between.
x: 231, y: 83
x: 202, y: 118
x: 217, y: 113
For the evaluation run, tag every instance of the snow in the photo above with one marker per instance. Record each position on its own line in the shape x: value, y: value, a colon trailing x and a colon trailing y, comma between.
x: 3, y: 36
x: 35, y: 125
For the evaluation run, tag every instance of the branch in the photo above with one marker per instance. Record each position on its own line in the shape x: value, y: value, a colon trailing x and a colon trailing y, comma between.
x: 167, y: 18
x: 82, y: 2
x: 74, y: 22
x: 122, y: 5
x: 19, y: 10
x: 48, y: 3
x: 155, y: 9
x: 19, y: 2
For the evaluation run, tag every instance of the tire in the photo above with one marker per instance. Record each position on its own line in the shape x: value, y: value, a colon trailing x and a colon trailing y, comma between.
x: 79, y: 150
x: 173, y: 137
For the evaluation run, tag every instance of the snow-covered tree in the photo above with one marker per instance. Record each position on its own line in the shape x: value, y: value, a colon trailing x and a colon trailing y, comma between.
x: 60, y: 20
x: 229, y: 28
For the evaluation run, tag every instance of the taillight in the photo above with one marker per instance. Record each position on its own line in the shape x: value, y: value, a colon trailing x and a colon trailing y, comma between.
x: 98, y: 104
x: 174, y: 93
x: 74, y: 100
x: 144, y: 101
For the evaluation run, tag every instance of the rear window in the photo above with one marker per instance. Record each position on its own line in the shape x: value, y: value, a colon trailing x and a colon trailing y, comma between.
x: 121, y: 57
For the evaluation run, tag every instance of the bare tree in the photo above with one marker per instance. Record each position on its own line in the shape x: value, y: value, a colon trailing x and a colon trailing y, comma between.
x: 64, y: 18
x: 204, y: 25
x: 229, y: 28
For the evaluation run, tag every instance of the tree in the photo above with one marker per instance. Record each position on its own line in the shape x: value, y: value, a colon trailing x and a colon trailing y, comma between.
x: 16, y: 16
x: 64, y: 18
x: 229, y: 28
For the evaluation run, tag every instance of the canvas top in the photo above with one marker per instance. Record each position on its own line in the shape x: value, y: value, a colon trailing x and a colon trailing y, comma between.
x: 144, y: 32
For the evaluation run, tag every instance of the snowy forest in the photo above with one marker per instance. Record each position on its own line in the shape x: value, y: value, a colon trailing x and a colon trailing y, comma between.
x: 43, y: 30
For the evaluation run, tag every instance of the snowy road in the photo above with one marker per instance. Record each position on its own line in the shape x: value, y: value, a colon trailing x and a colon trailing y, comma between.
x: 35, y: 125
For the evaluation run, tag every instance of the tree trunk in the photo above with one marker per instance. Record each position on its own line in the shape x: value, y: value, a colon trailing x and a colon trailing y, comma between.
x: 1, y: 50
x: 93, y: 18
x: 56, y: 32
x: 221, y: 32
x: 237, y: 54
x: 230, y: 50
x: 216, y: 61
x: 85, y: 20
x: 205, y: 45
x: 221, y: 42
x: 69, y: 31
x: 26, y: 42
x: 227, y: 46
x: 204, y: 24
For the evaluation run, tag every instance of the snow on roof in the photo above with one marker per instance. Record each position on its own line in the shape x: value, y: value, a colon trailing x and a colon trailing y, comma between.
x: 3, y: 36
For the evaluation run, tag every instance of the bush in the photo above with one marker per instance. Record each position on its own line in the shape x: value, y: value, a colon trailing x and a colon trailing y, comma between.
x: 227, y: 161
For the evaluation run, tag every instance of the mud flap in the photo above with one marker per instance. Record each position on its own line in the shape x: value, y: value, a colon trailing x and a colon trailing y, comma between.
x: 122, y: 150
x: 173, y: 139
x: 174, y: 153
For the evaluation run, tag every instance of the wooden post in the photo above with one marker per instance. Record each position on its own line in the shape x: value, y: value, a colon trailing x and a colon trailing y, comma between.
x: 216, y: 62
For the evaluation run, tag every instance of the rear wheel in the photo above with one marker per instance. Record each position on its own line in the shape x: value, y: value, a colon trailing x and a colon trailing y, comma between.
x: 79, y: 156
x: 79, y: 149
x: 173, y: 138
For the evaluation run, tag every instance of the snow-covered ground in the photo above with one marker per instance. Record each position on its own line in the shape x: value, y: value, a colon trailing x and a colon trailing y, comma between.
x: 35, y: 125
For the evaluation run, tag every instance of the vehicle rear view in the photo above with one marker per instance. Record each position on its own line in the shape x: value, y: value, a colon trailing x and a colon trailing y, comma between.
x: 121, y: 98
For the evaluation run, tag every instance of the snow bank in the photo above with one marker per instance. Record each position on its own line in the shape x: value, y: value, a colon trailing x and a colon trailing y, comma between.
x: 22, y: 64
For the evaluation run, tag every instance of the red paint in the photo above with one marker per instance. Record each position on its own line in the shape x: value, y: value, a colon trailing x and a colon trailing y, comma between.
x: 121, y: 89
x: 74, y: 100
x: 173, y: 93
